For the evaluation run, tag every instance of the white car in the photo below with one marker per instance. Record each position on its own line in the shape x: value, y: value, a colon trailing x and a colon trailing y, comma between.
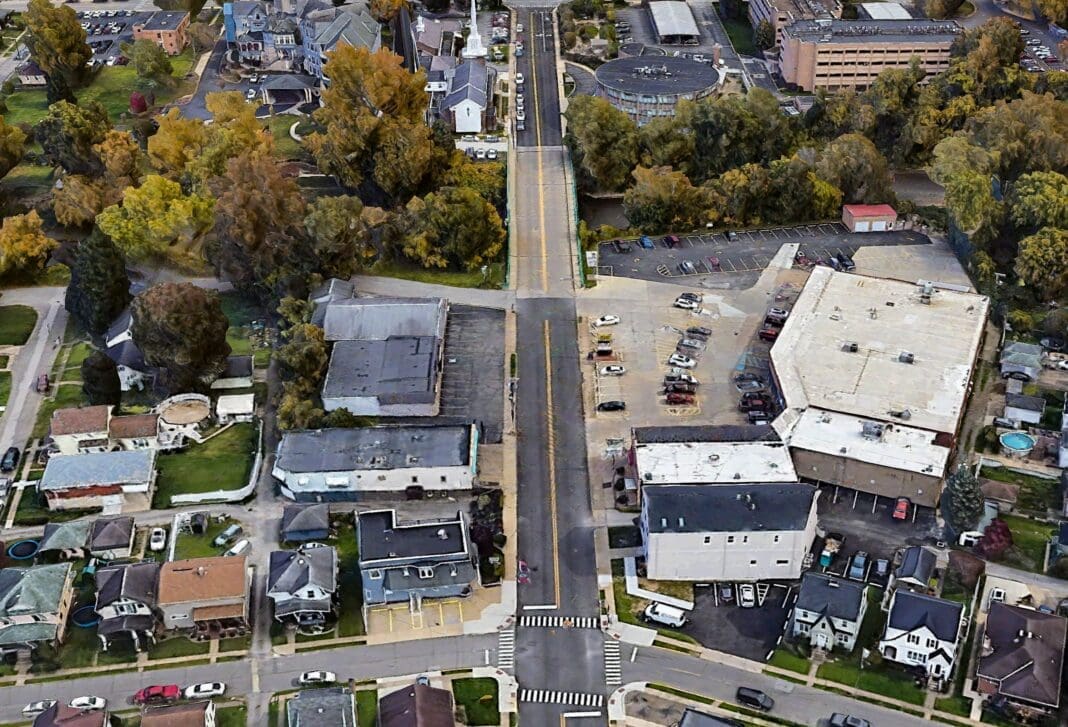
x: 318, y: 677
x: 157, y: 541
x: 33, y: 709
x: 239, y: 548
x: 613, y: 370
x: 608, y: 320
x: 684, y: 362
x: 491, y: 154
x: 519, y: 27
x: 250, y: 94
x: 686, y: 304
x: 520, y: 115
x: 519, y: 79
x: 746, y: 595
x: 202, y: 691
x: 88, y: 703
x: 480, y: 154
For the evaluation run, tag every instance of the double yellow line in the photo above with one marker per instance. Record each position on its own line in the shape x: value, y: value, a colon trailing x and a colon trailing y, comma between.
x: 550, y: 441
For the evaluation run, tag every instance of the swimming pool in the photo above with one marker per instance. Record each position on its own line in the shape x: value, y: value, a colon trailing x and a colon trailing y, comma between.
x: 1017, y: 442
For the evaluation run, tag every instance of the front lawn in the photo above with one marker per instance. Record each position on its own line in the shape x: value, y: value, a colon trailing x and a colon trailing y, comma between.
x: 788, y: 660
x: 28, y: 177
x: 285, y: 146
x: 1029, y: 540
x: 231, y: 716
x: 958, y: 705
x: 32, y: 512
x: 221, y: 463
x: 178, y: 646
x: 366, y: 707
x: 478, y: 697
x: 5, y: 387
x: 16, y: 323
x: 879, y: 679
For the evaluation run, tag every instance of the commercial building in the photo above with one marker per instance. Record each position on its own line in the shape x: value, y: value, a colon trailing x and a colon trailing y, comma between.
x: 674, y: 22
x: 728, y: 532
x: 868, y: 217
x: 407, y: 562
x: 342, y: 464
x: 834, y: 55
x: 649, y: 87
x: 873, y: 375
x: 780, y: 13
x: 883, y: 11
x: 703, y: 461
x: 111, y: 481
x: 166, y: 29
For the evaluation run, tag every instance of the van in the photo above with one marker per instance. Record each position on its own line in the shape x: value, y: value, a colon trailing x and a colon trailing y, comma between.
x: 240, y: 548
x: 666, y: 615
x: 754, y: 698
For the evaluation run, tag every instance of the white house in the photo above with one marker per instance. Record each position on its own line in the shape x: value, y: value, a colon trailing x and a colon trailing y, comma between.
x: 1024, y: 408
x: 922, y: 631
x: 727, y: 532
x: 341, y: 464
x: 829, y: 611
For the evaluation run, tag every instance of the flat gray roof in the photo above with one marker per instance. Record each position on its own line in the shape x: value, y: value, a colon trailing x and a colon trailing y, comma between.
x: 382, y: 536
x: 374, y: 448
x: 99, y: 468
x: 398, y: 370
x: 657, y: 75
x: 916, y: 30
x: 672, y: 17
x: 376, y: 319
x: 727, y: 508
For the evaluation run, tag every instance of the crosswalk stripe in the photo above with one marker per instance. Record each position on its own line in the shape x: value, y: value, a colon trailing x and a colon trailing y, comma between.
x: 506, y: 649
x: 613, y: 669
x: 574, y: 699
x: 560, y: 622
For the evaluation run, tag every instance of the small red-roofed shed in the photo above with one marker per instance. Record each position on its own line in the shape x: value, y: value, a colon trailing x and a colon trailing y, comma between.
x: 869, y: 217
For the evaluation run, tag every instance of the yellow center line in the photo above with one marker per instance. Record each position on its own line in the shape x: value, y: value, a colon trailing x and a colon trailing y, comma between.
x: 551, y: 453
x: 541, y: 173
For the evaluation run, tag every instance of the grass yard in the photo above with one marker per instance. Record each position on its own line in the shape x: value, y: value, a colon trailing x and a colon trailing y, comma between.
x: 236, y: 716
x: 957, y: 705
x: 16, y: 323
x: 5, y: 387
x: 878, y: 679
x: 244, y: 340
x: 200, y: 546
x: 366, y: 707
x: 741, y: 34
x: 77, y: 650
x: 479, y: 700
x: 1029, y: 540
x: 178, y: 646
x: 221, y: 463
x: 1037, y: 494
x: 4, y: 360
x: 350, y: 614
x: 32, y: 512
x: 239, y: 643
x: 788, y: 660
x: 285, y: 146
x: 437, y: 276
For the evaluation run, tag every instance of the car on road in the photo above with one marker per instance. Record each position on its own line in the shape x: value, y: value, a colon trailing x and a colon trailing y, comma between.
x: 746, y: 595
x: 227, y: 535
x: 157, y: 540
x: 685, y: 362
x: 677, y: 398
x: 612, y: 406
x: 902, y: 506
x: 88, y: 703
x: 858, y: 566
x: 768, y: 334
x: 42, y: 384
x: 317, y: 677
x: 686, y: 303
x: 10, y: 459
x: 157, y: 693
x: 754, y: 698
x: 518, y: 27
x: 519, y: 80
x: 845, y: 720
x: 520, y: 114
x: 254, y: 78
x: 606, y: 320
x: 613, y: 370
x: 33, y: 709
x: 646, y: 242
x: 205, y: 690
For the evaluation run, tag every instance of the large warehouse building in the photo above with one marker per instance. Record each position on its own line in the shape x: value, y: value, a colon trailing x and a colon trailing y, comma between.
x: 646, y: 88
x: 874, y: 376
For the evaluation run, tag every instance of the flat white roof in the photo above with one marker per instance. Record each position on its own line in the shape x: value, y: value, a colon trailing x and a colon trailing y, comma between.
x: 713, y: 463
x: 235, y: 404
x: 847, y: 342
x: 895, y: 446
x: 886, y: 11
x: 673, y: 17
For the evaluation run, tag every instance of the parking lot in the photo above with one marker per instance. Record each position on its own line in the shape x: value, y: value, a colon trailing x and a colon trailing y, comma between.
x: 735, y: 260
x: 747, y: 632
x: 107, y: 30
x: 472, y: 385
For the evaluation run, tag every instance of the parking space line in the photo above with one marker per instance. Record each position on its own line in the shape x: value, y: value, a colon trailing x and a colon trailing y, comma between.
x: 723, y: 263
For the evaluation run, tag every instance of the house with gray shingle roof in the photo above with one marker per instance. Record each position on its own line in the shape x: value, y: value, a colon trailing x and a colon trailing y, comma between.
x: 111, y: 538
x: 1022, y: 656
x: 467, y: 104
x: 112, y: 481
x: 828, y: 611
x: 34, y: 604
x: 126, y: 602
x: 71, y: 535
x: 302, y: 584
x: 335, y: 706
x: 322, y: 30
x: 922, y: 632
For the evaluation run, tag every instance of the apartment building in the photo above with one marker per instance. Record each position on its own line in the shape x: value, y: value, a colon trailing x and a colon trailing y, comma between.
x: 839, y: 54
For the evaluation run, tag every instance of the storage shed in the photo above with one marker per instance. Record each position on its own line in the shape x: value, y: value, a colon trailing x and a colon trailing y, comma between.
x: 869, y: 217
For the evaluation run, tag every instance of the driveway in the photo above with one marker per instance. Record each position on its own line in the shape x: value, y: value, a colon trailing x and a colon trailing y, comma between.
x: 747, y: 632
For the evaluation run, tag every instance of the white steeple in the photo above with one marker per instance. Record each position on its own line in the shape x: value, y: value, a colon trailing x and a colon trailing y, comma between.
x: 474, y: 47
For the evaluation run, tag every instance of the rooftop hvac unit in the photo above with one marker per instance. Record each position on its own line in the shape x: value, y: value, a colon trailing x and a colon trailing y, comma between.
x: 906, y: 357
x: 872, y: 430
x: 850, y: 347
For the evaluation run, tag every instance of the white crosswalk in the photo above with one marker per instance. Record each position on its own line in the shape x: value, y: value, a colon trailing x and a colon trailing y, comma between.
x: 561, y: 622
x: 613, y: 669
x: 574, y: 699
x: 506, y: 649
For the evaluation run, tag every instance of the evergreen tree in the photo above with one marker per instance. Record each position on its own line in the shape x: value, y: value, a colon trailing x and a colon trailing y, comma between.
x: 100, y: 380
x: 965, y: 498
x: 99, y: 287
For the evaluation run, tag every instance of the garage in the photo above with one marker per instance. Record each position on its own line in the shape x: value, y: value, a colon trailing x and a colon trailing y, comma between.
x: 868, y: 217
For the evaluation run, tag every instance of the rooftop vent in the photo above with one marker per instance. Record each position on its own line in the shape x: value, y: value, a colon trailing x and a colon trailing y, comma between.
x: 904, y: 414
x: 443, y: 534
x: 906, y: 357
x: 850, y: 347
x: 872, y: 430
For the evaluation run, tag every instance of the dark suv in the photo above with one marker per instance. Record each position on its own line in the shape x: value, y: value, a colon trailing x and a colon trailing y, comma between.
x: 754, y: 698
x: 10, y: 460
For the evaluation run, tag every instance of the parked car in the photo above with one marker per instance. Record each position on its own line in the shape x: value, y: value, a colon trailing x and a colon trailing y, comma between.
x: 753, y: 404
x: 491, y: 154
x: 778, y: 313
x: 157, y: 540
x: 679, y: 387
x: 845, y: 720
x: 227, y: 535
x: 239, y: 548
x: 695, y: 297
x: 665, y: 615
x: 902, y: 506
x: 612, y: 406
x: 694, y: 343
x: 606, y: 320
x: 858, y: 566
x: 203, y: 691
x: 480, y: 154
x: 671, y: 241
x: 88, y: 703
x: 768, y: 334
x: 33, y: 709
x: 754, y: 698
x: 687, y: 268
x: 317, y: 677
x: 680, y: 377
x: 678, y: 398
x: 519, y: 80
x: 250, y: 94
x: 621, y: 246
x: 685, y: 362
x: 746, y: 595
x: 646, y: 242
x: 846, y: 262
x: 157, y: 694
x: 699, y: 332
x: 880, y: 570
x: 10, y: 459
x: 726, y: 592
x: 686, y: 303
x: 758, y: 416
x: 613, y: 370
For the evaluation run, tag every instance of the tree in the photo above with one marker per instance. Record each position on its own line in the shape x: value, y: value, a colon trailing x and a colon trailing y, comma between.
x: 255, y: 217
x: 604, y: 140
x: 965, y: 498
x: 304, y: 357
x: 181, y: 329
x: 664, y: 199
x: 1043, y: 261
x: 24, y: 248
x: 942, y: 9
x: 1040, y: 199
x: 453, y: 226
x: 297, y: 412
x: 764, y: 35
x: 68, y: 134
x: 178, y: 141
x: 385, y: 10
x: 853, y: 164
x: 954, y: 155
x: 1056, y: 11
x: 970, y: 199
x: 157, y: 221
x: 99, y: 286
x: 202, y: 36
x: 1027, y: 134
x: 486, y: 178
x: 342, y: 236
x: 56, y: 40
x: 79, y: 199
x: 743, y: 193
x: 100, y: 380
x: 997, y: 538
x: 12, y: 146
x: 57, y: 88
x: 665, y: 142
x: 149, y: 61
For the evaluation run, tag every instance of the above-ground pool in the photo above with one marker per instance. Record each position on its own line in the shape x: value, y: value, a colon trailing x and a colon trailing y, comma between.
x: 23, y: 550
x: 1017, y: 443
x: 85, y: 617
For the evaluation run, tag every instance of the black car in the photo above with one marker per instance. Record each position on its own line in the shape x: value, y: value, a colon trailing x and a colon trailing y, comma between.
x: 10, y: 460
x: 845, y: 720
x: 679, y: 387
x: 621, y: 246
x: 698, y: 332
x: 754, y: 698
x: 846, y: 262
x: 612, y: 406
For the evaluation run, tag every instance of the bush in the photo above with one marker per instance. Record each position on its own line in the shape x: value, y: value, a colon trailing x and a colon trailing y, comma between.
x: 570, y: 39
x: 1021, y: 320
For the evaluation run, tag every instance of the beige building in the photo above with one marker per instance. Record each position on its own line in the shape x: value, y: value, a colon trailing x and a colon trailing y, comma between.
x: 838, y: 54
x: 208, y: 595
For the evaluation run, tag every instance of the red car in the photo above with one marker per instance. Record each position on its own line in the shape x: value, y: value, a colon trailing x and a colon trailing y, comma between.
x: 769, y: 334
x: 158, y: 693
x: 901, y: 508
x: 679, y: 398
